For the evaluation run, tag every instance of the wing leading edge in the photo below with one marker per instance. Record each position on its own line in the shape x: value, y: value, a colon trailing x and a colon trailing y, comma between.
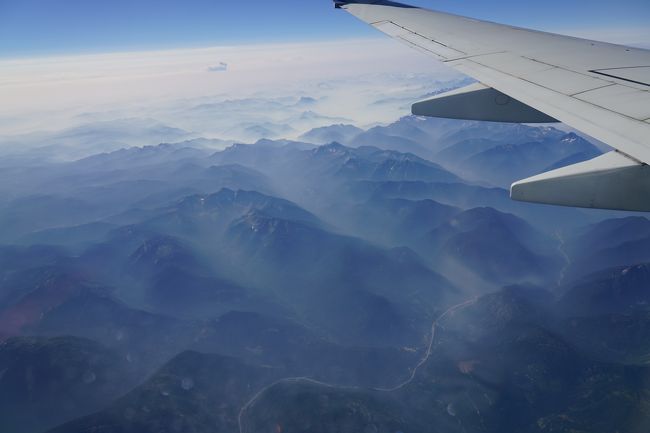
x: 529, y: 76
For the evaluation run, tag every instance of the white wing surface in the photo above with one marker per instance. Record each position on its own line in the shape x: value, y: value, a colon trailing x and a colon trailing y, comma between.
x: 530, y: 76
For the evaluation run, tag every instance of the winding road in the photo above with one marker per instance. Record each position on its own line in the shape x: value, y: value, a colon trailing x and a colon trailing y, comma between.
x: 561, y: 248
x: 425, y: 358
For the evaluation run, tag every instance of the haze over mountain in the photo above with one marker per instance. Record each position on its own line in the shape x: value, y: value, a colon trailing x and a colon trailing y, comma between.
x: 346, y: 277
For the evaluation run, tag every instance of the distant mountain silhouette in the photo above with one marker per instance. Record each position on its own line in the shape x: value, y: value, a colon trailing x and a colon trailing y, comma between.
x: 505, y: 163
x: 335, y: 133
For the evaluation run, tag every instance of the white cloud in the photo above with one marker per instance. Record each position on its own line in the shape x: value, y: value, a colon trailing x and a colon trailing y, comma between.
x: 45, y: 93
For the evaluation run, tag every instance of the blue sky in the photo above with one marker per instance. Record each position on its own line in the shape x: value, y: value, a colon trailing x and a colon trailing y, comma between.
x: 35, y: 27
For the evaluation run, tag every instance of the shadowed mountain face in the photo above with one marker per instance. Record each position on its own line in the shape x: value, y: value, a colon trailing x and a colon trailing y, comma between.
x: 503, y: 164
x: 610, y: 233
x: 210, y: 215
x: 334, y: 162
x: 369, y: 162
x: 31, y: 293
x: 142, y: 337
x: 495, y: 368
x: 467, y: 196
x: 615, y: 338
x: 194, y: 392
x: 615, y: 242
x: 377, y: 295
x: 616, y: 290
x: 499, y: 248
x: 397, y: 221
x: 47, y: 381
x: 284, y: 344
x: 379, y: 285
x: 39, y: 212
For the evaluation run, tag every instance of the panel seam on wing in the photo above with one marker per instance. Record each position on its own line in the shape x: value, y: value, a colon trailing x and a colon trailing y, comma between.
x: 591, y: 90
x: 560, y: 93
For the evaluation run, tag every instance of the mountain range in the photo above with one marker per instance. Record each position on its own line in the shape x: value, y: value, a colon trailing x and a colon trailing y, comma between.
x: 356, y: 279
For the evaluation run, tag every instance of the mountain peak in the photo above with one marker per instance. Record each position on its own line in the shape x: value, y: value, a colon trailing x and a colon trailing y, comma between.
x: 333, y: 147
x: 161, y: 249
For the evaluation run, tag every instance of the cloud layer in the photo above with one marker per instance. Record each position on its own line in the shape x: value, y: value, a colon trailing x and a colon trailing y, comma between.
x: 41, y: 93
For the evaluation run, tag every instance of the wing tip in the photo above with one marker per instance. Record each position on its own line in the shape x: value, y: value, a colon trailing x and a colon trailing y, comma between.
x: 338, y: 4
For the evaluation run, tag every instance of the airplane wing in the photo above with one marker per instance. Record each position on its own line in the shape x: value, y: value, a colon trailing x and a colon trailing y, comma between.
x: 528, y: 76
